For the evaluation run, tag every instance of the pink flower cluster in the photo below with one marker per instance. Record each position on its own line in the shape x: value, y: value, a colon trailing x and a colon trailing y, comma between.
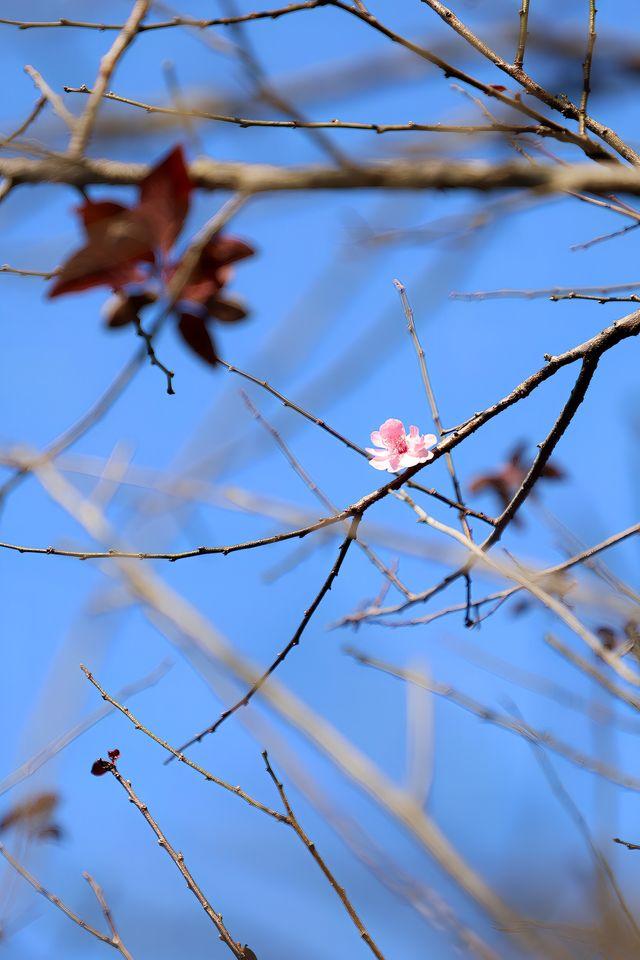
x: 399, y: 449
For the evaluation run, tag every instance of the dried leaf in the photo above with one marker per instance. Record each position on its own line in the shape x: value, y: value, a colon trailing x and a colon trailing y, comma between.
x: 164, y: 199
x: 194, y: 333
x: 32, y: 813
x: 121, y: 309
x: 99, y: 767
x: 228, y: 310
x: 116, y: 245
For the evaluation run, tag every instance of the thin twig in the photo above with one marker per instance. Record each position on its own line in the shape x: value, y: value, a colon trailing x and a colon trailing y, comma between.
x: 166, y: 24
x: 550, y: 292
x: 435, y: 413
x: 104, y: 403
x: 209, y: 777
x: 632, y: 298
x: 503, y: 720
x: 24, y: 126
x: 151, y: 353
x: 295, y: 640
x: 246, y: 123
x: 586, y: 67
x: 522, y: 36
x: 84, y: 125
x: 29, y: 767
x: 317, y: 492
x: 54, y: 99
x: 313, y: 850
x: 106, y: 910
x: 178, y: 859
x: 16, y: 271
x: 55, y: 900
x: 559, y: 103
x: 574, y: 812
x: 627, y: 844
x: 546, y: 448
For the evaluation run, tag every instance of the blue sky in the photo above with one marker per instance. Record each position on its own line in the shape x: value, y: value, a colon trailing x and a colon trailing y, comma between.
x: 327, y: 329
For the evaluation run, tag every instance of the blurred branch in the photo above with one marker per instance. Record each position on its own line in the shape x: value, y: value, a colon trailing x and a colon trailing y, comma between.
x: 313, y: 850
x: 588, y: 352
x: 209, y: 777
x: 561, y: 104
x: 503, y: 720
x: 30, y: 766
x: 550, y: 292
x: 33, y: 114
x: 54, y: 99
x: 113, y: 941
x: 586, y: 68
x: 83, y: 127
x: 397, y: 174
x: 104, y: 403
x: 522, y: 35
x: 106, y: 910
x: 295, y: 640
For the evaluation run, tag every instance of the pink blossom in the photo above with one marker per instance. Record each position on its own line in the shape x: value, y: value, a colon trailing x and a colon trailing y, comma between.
x: 399, y: 449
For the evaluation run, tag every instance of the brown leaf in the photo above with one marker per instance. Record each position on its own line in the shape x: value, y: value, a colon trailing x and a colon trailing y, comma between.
x: 92, y: 212
x: 214, y: 267
x: 228, y: 310
x: 32, y: 813
x: 507, y: 478
x: 164, y: 199
x: 195, y: 334
x: 121, y: 310
x: 99, y: 767
x: 116, y: 245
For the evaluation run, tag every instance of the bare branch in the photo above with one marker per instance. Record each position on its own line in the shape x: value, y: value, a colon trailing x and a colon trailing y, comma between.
x: 397, y: 174
x: 295, y: 640
x: 54, y: 99
x: 586, y: 67
x: 84, y: 126
x: 313, y: 850
x: 165, y: 24
x: 178, y: 859
x: 559, y: 103
x: 502, y: 720
x: 209, y: 777
x: 57, y: 902
x: 106, y: 910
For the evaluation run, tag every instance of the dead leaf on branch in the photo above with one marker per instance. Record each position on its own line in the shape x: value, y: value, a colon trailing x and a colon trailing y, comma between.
x: 507, y: 478
x: 129, y: 250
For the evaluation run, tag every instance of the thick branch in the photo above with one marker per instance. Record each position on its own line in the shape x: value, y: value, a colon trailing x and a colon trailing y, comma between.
x: 388, y: 175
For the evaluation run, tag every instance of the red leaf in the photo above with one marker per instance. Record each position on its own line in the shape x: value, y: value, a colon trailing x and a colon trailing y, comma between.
x: 116, y: 243
x: 226, y: 311
x: 164, y: 199
x: 225, y: 249
x: 113, y: 754
x: 121, y: 310
x: 99, y: 767
x: 213, y: 269
x: 194, y: 332
x: 92, y: 213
